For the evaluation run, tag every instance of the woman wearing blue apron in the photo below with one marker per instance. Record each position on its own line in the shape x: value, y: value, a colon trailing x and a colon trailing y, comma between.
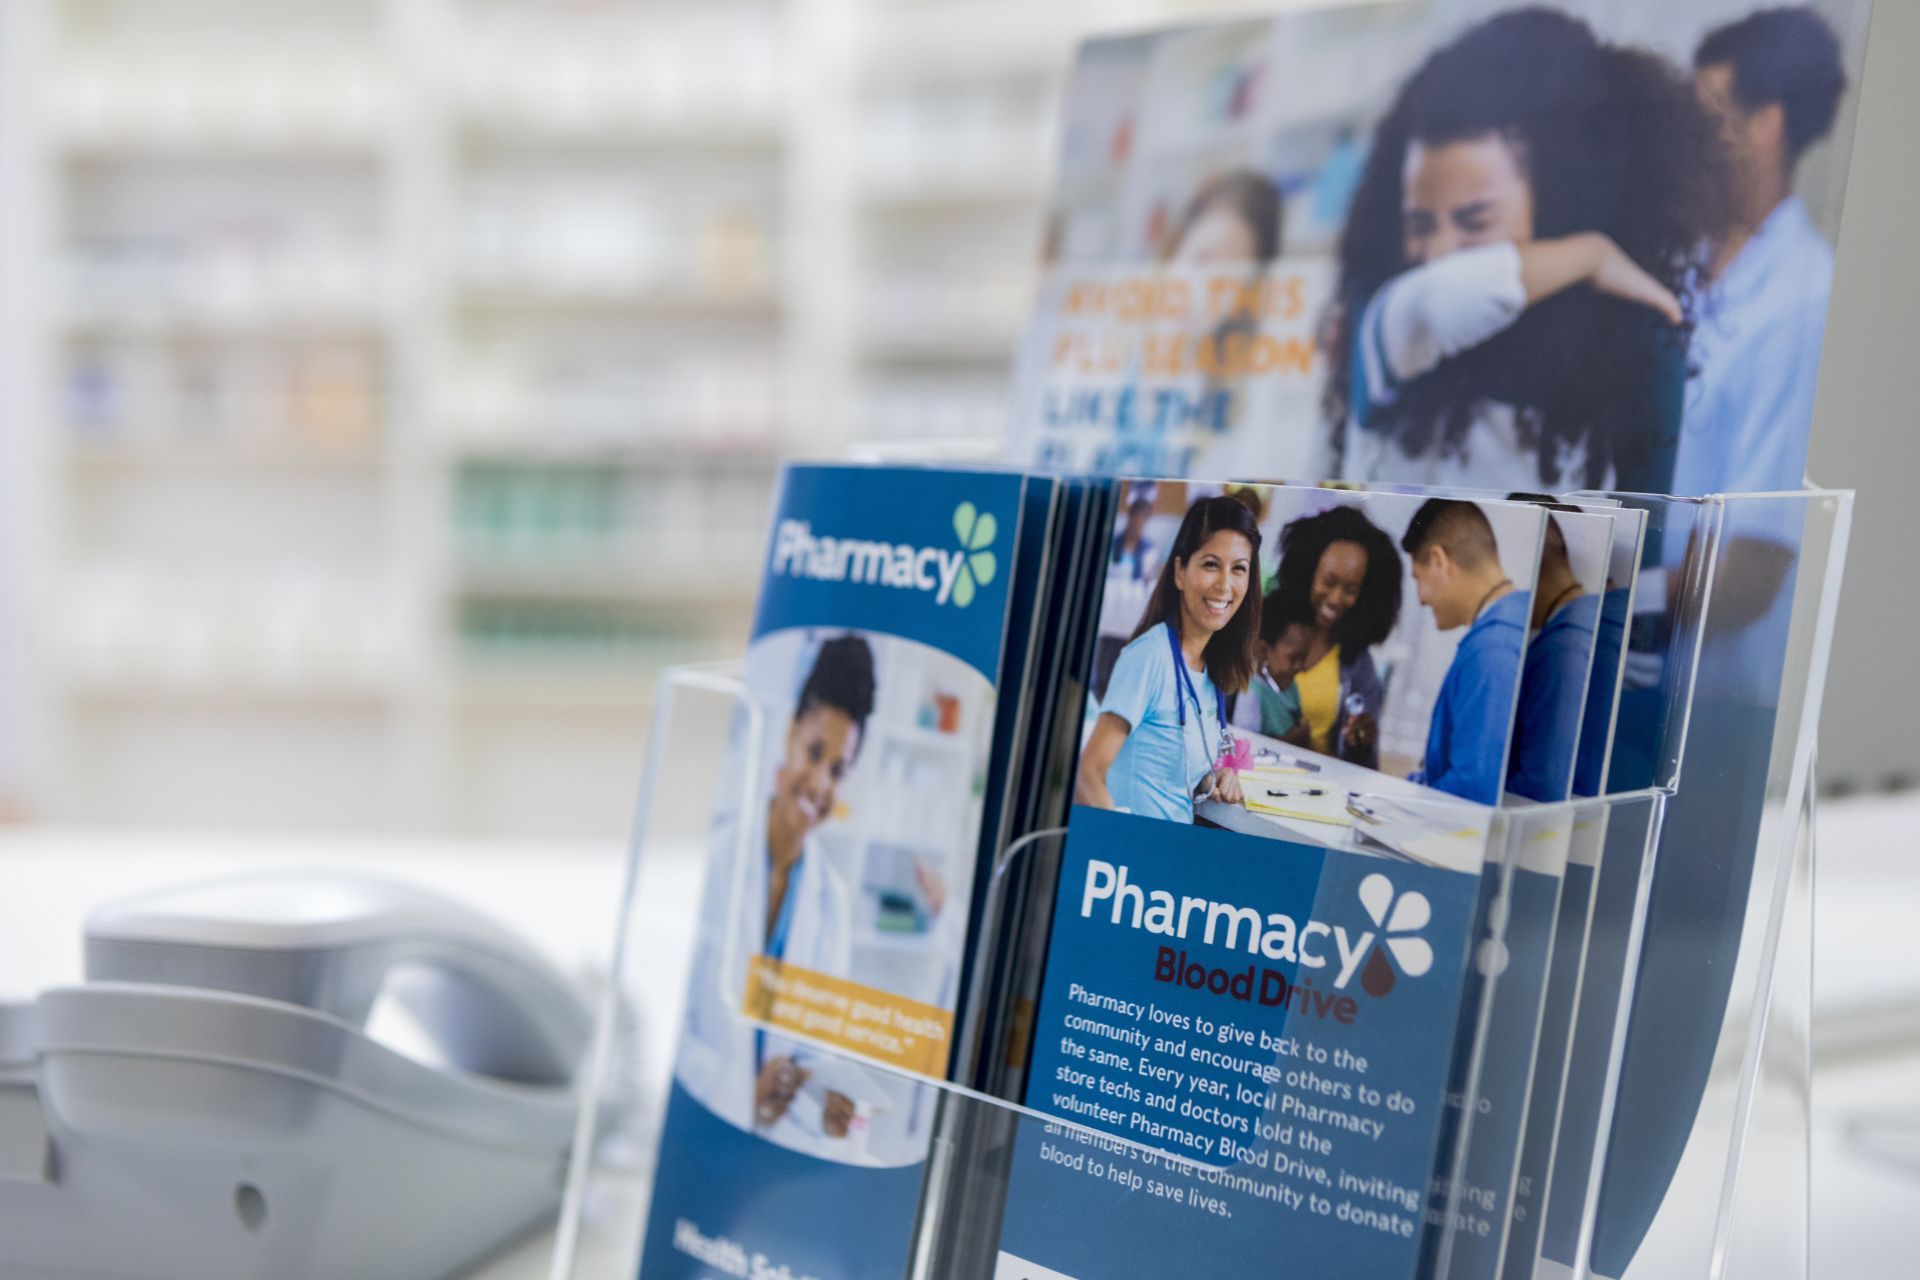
x: 1159, y: 743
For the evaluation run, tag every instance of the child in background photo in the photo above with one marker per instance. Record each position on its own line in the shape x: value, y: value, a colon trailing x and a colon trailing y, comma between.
x: 1456, y: 570
x: 1271, y: 705
x: 1234, y: 218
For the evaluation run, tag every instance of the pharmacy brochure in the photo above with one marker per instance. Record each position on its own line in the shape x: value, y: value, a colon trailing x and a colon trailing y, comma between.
x: 1264, y: 1029
x: 1565, y: 625
x: 835, y: 921
x: 1262, y: 921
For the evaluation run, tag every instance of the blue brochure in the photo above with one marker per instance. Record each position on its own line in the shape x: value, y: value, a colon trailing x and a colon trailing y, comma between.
x: 838, y: 907
x: 1266, y: 1027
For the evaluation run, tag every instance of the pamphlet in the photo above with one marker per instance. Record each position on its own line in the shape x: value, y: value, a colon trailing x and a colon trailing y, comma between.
x: 1271, y: 1021
x: 1225, y: 946
x: 836, y: 914
x: 1567, y: 604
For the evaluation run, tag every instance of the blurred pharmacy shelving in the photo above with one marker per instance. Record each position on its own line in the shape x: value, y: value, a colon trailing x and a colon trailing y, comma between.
x: 946, y: 235
x: 615, y: 369
x: 401, y: 381
x: 405, y: 380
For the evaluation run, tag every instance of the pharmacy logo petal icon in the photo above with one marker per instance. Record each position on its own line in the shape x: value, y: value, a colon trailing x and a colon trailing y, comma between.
x: 1399, y: 918
x: 976, y: 530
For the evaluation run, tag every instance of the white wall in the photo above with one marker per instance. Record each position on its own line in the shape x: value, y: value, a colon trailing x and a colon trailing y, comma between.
x: 1866, y: 428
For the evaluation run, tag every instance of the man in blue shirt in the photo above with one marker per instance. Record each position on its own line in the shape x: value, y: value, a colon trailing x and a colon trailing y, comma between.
x: 1553, y: 681
x: 1456, y: 570
x: 1603, y: 691
x: 1775, y: 80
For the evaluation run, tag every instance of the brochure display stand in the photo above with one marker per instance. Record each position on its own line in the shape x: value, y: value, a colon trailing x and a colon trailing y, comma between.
x: 1627, y: 1093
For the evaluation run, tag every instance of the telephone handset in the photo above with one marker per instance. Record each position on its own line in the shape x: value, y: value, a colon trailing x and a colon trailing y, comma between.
x: 332, y: 943
x: 211, y: 1104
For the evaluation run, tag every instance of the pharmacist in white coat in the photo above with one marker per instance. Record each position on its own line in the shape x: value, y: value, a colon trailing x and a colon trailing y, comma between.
x: 784, y: 901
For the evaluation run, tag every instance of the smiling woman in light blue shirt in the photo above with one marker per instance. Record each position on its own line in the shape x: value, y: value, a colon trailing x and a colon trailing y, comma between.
x: 1161, y: 731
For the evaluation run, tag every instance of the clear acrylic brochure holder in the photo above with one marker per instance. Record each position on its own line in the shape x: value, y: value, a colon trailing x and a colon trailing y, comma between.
x: 1539, y: 1177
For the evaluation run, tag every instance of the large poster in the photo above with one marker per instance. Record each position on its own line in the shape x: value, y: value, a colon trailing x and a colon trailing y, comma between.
x: 1455, y: 242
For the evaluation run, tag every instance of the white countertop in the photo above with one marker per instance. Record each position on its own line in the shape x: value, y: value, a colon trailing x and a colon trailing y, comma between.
x: 563, y: 896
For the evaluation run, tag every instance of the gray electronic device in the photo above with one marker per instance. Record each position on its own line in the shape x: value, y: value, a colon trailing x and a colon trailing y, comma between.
x: 209, y: 1103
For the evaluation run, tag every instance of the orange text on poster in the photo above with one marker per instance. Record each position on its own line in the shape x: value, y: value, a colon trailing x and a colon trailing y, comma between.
x: 848, y: 1015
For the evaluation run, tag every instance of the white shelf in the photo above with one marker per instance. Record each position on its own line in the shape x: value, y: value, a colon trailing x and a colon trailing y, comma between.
x: 509, y: 685
x: 985, y: 346
x: 240, y: 147
x: 122, y: 322
x: 224, y: 690
x: 177, y: 455
x: 936, y: 45
x: 536, y: 300
x: 605, y: 579
x: 1015, y: 185
x: 486, y: 134
x: 636, y: 452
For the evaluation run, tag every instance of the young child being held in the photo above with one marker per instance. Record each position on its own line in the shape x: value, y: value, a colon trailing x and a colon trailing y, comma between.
x: 1286, y: 632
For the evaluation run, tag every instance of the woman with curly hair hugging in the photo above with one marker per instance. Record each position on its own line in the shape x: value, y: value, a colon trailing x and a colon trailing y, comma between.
x: 1512, y: 271
x: 1343, y: 571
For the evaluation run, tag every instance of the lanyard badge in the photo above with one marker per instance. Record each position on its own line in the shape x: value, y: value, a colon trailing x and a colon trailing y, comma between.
x: 1226, y: 748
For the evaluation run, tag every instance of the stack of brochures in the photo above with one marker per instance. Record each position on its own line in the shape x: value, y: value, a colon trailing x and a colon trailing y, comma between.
x: 1269, y: 717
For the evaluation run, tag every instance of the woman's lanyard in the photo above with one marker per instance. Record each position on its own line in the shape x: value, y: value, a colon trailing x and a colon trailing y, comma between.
x: 777, y: 951
x: 1193, y: 695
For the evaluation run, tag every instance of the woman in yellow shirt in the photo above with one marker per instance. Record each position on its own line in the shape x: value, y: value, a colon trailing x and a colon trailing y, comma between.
x: 1347, y: 572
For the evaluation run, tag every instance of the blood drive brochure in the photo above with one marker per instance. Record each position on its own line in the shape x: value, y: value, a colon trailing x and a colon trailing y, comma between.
x: 1597, y: 841
x: 894, y: 626
x: 1258, y: 996
x: 1598, y: 718
x: 1252, y: 1041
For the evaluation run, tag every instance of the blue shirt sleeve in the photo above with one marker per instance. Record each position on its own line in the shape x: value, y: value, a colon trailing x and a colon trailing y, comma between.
x: 1603, y: 694
x: 1547, y: 725
x: 1478, y: 705
x: 1135, y: 687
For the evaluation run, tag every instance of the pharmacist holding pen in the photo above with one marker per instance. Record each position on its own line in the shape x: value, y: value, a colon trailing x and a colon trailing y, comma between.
x: 1158, y: 744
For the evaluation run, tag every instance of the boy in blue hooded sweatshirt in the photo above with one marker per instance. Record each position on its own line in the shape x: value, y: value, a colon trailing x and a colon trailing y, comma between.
x: 1456, y: 570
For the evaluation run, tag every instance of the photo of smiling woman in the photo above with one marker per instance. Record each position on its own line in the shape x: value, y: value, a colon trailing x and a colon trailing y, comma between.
x: 797, y: 908
x: 841, y: 855
x: 1161, y: 733
x: 1343, y: 571
x: 1509, y: 312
